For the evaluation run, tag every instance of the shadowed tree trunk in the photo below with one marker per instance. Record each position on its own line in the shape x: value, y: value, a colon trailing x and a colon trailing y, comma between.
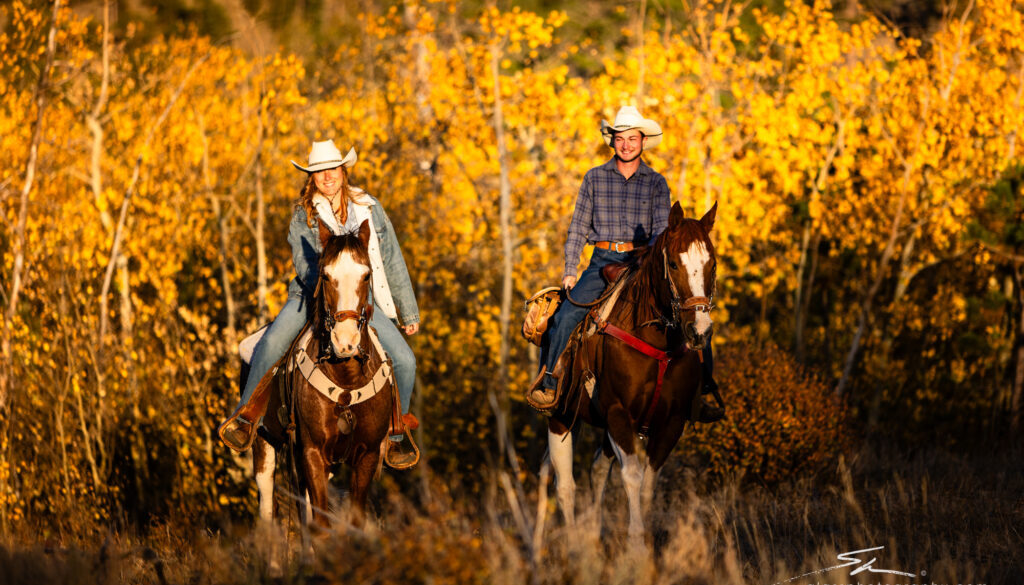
x: 1017, y: 395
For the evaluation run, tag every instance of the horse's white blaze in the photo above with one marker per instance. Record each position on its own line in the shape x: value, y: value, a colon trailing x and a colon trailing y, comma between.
x: 347, y: 273
x: 265, y: 485
x: 693, y: 260
x: 560, y: 451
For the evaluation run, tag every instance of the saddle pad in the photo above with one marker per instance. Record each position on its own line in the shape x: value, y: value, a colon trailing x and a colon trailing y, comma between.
x: 247, y: 346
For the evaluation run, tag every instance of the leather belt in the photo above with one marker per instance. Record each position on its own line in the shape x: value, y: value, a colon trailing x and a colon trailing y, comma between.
x: 617, y: 246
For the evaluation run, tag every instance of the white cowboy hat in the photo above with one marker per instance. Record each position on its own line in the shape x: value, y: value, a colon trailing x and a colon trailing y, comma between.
x: 629, y: 118
x: 325, y: 155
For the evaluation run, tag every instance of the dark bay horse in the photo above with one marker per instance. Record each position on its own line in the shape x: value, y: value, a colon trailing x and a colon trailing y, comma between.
x: 644, y: 359
x: 338, y: 398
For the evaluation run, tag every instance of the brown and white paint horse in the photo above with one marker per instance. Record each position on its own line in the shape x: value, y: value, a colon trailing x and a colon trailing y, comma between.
x: 643, y: 402
x: 341, y: 320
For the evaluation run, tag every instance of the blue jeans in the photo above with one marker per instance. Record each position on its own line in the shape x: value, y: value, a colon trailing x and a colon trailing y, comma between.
x: 564, y: 321
x: 288, y: 324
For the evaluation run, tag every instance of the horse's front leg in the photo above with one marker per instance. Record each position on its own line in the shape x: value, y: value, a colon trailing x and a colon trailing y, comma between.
x: 620, y: 433
x: 600, y: 470
x: 264, y: 461
x: 314, y: 468
x: 560, y: 451
x: 647, y: 487
x: 363, y: 469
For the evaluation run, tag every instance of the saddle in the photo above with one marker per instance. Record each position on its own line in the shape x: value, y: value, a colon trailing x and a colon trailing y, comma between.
x: 575, y: 368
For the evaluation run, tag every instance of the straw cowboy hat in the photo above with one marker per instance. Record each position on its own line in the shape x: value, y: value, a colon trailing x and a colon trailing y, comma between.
x: 325, y: 155
x: 629, y: 118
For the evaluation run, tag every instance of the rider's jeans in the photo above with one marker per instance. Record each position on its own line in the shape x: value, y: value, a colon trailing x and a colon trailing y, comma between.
x: 568, y: 316
x: 288, y: 324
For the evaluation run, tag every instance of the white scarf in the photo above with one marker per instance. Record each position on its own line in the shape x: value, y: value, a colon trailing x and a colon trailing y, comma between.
x: 361, y: 212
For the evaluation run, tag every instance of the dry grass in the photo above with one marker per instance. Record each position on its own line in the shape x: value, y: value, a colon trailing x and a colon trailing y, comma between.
x: 956, y: 518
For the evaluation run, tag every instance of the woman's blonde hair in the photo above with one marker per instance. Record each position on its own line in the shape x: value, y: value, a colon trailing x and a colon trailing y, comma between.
x: 309, y: 190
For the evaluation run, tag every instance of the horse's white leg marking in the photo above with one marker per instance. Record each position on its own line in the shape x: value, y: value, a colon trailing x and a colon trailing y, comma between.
x: 632, y: 478
x: 599, y: 473
x: 307, y: 508
x: 265, y: 484
x: 560, y: 450
x: 348, y: 274
x: 647, y: 488
x: 693, y: 260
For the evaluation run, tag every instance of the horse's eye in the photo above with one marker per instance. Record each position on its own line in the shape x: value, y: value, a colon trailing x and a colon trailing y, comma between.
x: 672, y: 264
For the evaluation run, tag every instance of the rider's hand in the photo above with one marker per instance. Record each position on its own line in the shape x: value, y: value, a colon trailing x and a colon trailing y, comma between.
x: 568, y: 282
x: 412, y: 328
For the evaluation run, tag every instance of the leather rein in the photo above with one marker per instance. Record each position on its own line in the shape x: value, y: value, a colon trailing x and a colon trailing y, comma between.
x: 692, y: 304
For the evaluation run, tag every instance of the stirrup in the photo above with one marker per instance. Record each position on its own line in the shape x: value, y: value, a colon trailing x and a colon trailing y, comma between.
x: 540, y: 398
x: 398, y: 458
x: 237, y: 433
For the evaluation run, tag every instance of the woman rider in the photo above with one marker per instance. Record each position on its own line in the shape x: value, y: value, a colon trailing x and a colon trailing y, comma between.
x: 328, y: 197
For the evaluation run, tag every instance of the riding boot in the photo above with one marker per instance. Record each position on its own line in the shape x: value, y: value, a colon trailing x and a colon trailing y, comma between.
x: 398, y: 453
x: 239, y: 430
x: 541, y: 394
x: 710, y: 413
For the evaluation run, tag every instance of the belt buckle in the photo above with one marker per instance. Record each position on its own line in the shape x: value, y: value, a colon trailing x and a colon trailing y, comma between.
x: 616, y: 247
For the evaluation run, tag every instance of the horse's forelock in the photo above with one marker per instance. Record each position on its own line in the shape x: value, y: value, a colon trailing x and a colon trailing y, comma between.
x: 685, y: 235
x: 349, y: 242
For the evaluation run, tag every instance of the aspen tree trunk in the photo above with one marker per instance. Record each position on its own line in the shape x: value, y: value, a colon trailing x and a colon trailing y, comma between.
x: 261, y: 245
x: 18, y: 245
x: 505, y: 221
x: 18, y: 248
x: 869, y: 296
x: 642, y: 66
x: 222, y: 225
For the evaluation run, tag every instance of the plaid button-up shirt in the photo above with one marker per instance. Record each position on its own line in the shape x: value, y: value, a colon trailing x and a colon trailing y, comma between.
x: 612, y: 208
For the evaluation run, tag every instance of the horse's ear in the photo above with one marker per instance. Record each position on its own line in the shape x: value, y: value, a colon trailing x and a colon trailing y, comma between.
x: 325, y: 234
x: 709, y: 218
x: 364, y: 232
x: 675, y: 217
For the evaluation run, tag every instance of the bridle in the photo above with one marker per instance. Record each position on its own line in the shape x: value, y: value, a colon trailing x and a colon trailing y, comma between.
x: 692, y: 304
x: 332, y: 318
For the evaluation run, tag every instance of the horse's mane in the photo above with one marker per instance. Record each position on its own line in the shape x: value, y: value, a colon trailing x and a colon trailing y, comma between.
x: 648, y: 291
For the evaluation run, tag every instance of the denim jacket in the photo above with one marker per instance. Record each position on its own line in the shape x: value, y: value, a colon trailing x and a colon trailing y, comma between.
x: 306, y: 250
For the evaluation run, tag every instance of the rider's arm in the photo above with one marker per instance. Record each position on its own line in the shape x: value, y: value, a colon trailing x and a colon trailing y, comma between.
x: 395, y: 269
x: 305, y: 243
x: 661, y: 205
x: 579, y: 227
